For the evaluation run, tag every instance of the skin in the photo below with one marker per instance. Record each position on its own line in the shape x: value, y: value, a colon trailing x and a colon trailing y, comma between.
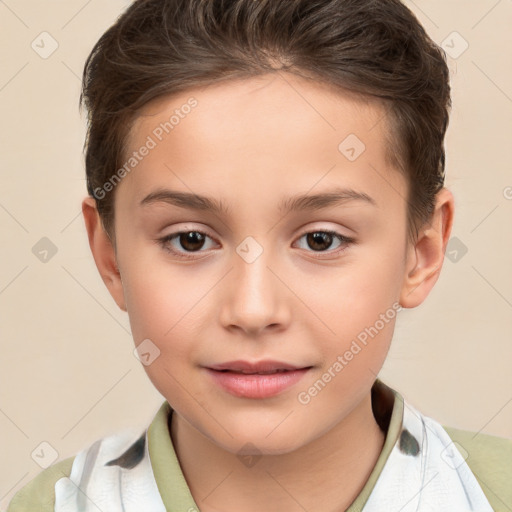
x: 251, y: 143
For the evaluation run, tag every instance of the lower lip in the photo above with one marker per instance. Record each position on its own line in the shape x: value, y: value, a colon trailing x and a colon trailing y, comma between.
x: 255, y: 385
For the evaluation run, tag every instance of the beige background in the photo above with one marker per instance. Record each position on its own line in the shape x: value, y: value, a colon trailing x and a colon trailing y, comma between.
x: 67, y: 371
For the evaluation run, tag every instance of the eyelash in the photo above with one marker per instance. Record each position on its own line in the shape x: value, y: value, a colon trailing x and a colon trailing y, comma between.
x: 164, y: 242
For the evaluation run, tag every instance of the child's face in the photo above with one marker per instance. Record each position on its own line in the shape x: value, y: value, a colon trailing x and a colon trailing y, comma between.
x: 258, y: 287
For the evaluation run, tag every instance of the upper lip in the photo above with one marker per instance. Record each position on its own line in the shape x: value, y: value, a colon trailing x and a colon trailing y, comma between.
x: 256, y: 367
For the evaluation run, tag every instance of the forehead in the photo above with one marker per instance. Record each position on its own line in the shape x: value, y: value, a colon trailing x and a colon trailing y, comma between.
x: 273, y: 130
x: 266, y: 95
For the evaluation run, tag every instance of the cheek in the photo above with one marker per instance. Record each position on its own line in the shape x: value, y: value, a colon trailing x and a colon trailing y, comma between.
x: 161, y: 310
x: 153, y: 294
x: 358, y: 306
x: 355, y: 296
x: 165, y: 305
x: 157, y: 308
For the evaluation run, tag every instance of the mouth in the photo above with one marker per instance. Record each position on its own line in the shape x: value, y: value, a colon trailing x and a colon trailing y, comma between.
x: 248, y: 372
x: 261, y: 367
x: 262, y: 379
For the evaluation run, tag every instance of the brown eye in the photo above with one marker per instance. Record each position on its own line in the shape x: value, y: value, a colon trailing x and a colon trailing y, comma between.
x: 184, y: 244
x: 191, y: 240
x: 319, y: 240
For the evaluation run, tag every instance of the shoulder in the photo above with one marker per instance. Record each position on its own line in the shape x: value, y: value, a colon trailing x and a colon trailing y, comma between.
x: 490, y: 460
x: 60, y: 484
x: 39, y: 494
x: 118, y: 460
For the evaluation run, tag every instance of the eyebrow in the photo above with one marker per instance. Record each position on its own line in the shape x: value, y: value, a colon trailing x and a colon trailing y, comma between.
x: 302, y: 202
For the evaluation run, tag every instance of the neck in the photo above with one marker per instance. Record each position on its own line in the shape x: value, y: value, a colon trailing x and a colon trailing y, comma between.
x: 326, y: 474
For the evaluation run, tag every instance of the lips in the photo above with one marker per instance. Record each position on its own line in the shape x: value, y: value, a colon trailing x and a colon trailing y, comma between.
x: 262, y: 367
x: 262, y: 379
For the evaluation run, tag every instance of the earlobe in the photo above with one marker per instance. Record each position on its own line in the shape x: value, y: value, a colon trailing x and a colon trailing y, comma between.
x: 425, y: 259
x: 103, y: 251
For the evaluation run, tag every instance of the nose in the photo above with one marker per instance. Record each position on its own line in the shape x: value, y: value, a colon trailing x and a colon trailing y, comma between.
x: 255, y: 299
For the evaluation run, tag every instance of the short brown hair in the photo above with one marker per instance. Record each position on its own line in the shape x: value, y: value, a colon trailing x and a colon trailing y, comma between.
x: 372, y: 47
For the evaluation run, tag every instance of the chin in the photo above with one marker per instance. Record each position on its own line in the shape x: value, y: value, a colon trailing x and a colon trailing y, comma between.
x: 255, y: 440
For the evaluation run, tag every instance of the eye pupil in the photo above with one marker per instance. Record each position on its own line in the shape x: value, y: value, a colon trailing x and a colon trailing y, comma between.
x: 319, y: 237
x: 192, y: 240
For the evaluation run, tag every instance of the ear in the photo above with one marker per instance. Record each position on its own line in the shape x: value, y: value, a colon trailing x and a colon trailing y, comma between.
x: 103, y: 251
x: 425, y: 258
